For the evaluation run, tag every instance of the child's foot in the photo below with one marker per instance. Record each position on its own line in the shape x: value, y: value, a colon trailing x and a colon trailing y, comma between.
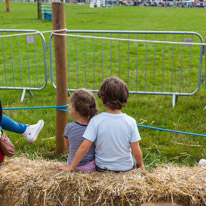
x: 32, y: 131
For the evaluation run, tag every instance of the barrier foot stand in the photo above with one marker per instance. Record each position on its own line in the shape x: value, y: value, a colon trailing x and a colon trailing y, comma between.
x: 174, y: 100
x: 24, y: 93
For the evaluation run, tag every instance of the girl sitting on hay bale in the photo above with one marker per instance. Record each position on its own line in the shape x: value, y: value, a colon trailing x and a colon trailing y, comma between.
x: 114, y: 133
x: 83, y: 108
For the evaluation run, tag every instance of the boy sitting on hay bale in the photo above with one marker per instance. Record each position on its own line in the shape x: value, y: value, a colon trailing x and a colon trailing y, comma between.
x: 114, y: 133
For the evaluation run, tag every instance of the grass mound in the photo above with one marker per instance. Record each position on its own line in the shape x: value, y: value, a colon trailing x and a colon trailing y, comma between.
x: 38, y: 182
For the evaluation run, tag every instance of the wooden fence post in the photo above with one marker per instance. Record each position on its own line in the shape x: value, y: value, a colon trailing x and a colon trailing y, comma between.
x: 58, y: 20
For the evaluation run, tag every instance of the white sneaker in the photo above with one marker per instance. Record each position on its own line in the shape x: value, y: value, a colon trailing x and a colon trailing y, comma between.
x: 202, y: 162
x: 32, y: 131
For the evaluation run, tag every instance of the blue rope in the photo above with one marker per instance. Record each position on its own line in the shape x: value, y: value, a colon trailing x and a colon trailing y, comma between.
x: 168, y: 130
x: 46, y: 107
x: 139, y: 125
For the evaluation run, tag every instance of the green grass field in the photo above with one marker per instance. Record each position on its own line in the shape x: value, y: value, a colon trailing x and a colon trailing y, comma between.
x: 152, y: 110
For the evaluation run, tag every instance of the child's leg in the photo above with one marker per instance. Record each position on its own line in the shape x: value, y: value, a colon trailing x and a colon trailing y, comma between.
x: 98, y: 169
x: 12, y: 126
x: 30, y: 132
x: 88, y: 167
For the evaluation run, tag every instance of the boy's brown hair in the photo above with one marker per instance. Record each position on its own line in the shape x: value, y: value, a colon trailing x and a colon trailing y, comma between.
x: 114, y: 93
x: 84, y: 102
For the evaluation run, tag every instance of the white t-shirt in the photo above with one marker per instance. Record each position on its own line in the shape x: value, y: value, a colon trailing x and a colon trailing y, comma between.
x: 113, y: 134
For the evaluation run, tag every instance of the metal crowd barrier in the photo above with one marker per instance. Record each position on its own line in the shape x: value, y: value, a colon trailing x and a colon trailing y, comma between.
x: 22, y: 61
x: 147, y: 68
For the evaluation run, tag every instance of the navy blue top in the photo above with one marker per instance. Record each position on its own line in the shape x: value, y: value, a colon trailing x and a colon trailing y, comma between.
x: 74, y: 133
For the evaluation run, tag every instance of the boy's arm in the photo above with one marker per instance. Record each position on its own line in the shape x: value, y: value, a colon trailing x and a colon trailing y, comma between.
x: 66, y: 143
x: 137, y: 153
x: 81, y: 152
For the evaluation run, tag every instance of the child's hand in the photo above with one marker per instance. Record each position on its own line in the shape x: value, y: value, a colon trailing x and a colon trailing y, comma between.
x: 141, y: 166
x: 65, y: 167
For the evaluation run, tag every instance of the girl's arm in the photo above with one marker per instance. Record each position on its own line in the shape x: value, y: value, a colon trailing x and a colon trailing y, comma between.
x: 137, y: 153
x: 81, y: 152
x: 66, y: 143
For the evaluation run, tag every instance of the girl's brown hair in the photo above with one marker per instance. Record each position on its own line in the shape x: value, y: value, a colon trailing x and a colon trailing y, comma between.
x: 114, y: 93
x: 84, y: 102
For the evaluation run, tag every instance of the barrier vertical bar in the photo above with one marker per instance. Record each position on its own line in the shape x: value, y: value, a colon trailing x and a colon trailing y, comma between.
x: 37, y: 76
x: 137, y: 65
x: 190, y: 66
x: 85, y: 61
x: 103, y: 58
x: 128, y: 62
x: 12, y: 61
x: 145, y: 84
x: 111, y: 55
x: 4, y: 60
x: 155, y: 51
x: 172, y: 62
x: 94, y: 60
x: 181, y: 65
x: 77, y: 68
x: 119, y: 54
x: 20, y: 65
x: 68, y: 44
x: 163, y: 69
x: 58, y: 21
x: 28, y: 64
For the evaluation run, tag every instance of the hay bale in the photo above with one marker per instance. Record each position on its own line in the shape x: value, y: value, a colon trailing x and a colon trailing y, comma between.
x: 38, y: 182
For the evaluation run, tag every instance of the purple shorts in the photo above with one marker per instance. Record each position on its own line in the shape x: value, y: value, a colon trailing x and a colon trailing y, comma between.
x: 87, y: 167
